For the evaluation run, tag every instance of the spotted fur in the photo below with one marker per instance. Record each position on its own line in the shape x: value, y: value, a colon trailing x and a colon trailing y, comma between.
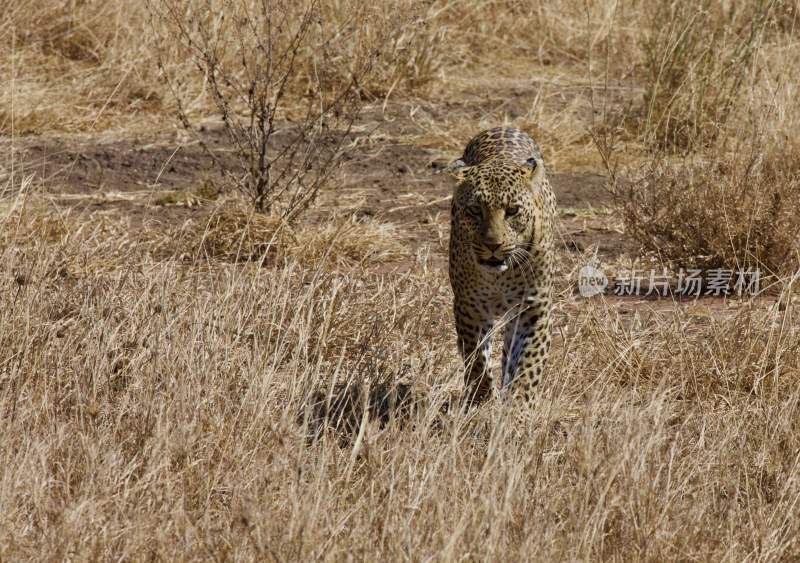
x: 501, y: 259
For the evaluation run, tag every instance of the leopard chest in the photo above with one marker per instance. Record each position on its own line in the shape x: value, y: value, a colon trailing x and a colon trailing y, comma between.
x: 496, y: 295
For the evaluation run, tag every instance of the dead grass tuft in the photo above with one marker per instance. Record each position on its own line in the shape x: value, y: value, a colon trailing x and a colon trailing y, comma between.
x: 80, y: 244
x: 76, y: 66
x: 235, y: 233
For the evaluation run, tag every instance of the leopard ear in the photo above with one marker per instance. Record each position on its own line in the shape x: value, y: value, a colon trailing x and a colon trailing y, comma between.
x: 456, y: 169
x: 533, y: 169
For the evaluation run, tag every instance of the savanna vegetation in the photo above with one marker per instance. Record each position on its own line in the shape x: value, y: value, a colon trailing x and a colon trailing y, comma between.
x: 225, y: 327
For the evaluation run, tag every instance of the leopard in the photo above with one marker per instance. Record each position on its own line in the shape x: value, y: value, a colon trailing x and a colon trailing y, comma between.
x: 501, y: 261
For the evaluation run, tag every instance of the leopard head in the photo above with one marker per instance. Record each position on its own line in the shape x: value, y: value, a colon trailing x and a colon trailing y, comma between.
x: 497, y: 210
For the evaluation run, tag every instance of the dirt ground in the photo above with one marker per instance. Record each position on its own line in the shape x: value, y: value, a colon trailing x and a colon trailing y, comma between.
x: 386, y: 177
x: 390, y: 176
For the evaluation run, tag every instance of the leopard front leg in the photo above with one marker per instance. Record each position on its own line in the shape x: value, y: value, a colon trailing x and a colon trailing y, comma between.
x: 525, y: 351
x: 475, y: 346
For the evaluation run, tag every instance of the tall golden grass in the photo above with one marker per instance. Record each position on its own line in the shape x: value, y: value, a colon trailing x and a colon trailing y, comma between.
x: 150, y: 411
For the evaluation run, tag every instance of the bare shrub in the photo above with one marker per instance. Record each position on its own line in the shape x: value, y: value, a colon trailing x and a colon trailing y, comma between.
x: 91, y: 65
x: 249, y: 54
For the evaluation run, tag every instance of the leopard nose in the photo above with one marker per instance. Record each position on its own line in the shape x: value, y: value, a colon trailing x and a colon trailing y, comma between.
x: 492, y: 247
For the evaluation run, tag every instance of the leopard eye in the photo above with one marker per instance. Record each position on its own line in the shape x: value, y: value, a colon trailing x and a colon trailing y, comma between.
x: 474, y: 211
x: 513, y: 210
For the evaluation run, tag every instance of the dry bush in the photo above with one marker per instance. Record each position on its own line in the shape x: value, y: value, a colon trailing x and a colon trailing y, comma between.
x: 737, y: 211
x: 716, y: 89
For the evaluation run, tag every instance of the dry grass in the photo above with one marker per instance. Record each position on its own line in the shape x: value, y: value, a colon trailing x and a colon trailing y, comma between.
x: 233, y: 232
x: 229, y: 231
x: 719, y: 185
x: 89, y: 66
x: 224, y: 386
x: 76, y: 66
x: 152, y: 413
x: 698, y: 61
